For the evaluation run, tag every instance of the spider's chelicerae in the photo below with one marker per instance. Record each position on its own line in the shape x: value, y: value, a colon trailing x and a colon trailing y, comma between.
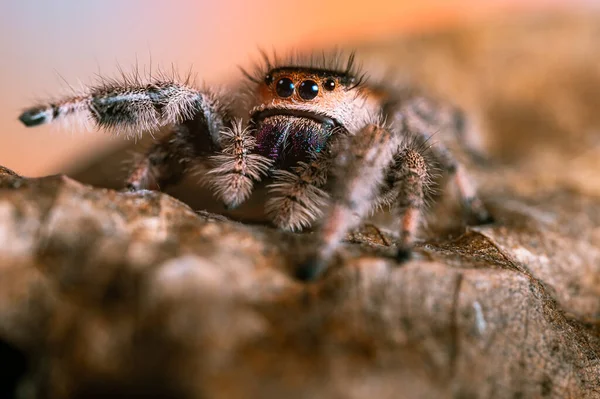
x: 336, y: 146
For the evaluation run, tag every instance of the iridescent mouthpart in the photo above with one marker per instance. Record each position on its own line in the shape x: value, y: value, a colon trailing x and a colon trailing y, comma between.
x: 289, y: 139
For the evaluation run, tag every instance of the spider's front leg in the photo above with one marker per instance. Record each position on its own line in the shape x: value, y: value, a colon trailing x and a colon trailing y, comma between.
x: 198, y: 125
x: 133, y: 108
x: 359, y: 167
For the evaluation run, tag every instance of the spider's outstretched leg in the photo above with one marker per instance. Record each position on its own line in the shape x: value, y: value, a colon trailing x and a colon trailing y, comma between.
x: 422, y: 117
x: 297, y: 199
x: 196, y: 122
x: 359, y: 168
x: 134, y: 108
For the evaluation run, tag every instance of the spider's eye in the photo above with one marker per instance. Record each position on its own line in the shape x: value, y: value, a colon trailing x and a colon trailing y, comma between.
x: 308, y: 89
x: 268, y: 79
x: 329, y: 84
x: 285, y: 87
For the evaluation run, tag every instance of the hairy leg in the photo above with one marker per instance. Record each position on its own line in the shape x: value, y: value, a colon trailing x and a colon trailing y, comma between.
x: 359, y: 168
x: 132, y: 107
x: 411, y: 180
x: 167, y: 161
x: 296, y: 198
x: 193, y: 119
x: 422, y: 118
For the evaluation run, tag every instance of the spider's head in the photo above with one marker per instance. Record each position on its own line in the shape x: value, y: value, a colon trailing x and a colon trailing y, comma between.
x: 297, y: 109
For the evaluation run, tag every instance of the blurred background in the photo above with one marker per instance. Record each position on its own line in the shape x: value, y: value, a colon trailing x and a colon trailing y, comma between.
x: 46, y: 46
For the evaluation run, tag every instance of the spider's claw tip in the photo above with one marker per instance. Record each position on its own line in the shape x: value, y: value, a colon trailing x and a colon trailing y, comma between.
x: 403, y: 255
x: 311, y: 269
x: 33, y: 117
x: 131, y: 188
x: 485, y: 218
x: 230, y: 207
x: 488, y: 220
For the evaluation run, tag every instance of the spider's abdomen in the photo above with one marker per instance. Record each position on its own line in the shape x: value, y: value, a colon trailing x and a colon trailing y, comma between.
x: 288, y: 140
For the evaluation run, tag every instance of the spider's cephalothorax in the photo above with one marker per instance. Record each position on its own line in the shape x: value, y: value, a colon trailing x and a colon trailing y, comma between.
x: 296, y: 110
x: 314, y: 128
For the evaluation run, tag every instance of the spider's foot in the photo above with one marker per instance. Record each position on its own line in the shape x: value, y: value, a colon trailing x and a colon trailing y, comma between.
x: 481, y: 216
x: 403, y: 254
x: 132, y: 187
x: 485, y: 219
x: 35, y: 117
x: 311, y: 269
x: 478, y: 212
x: 137, y: 187
x: 479, y: 158
x: 230, y: 207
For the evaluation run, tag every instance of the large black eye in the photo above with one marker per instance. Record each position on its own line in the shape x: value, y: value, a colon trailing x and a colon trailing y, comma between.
x: 308, y: 89
x: 285, y: 87
x: 329, y: 84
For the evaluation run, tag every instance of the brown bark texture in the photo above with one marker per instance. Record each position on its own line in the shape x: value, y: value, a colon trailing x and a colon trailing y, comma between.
x: 114, y: 293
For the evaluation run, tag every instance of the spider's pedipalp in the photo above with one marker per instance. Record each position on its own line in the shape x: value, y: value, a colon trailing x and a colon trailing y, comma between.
x: 297, y: 199
x: 235, y: 169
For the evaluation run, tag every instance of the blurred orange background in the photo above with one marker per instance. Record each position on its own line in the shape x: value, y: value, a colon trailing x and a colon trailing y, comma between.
x: 47, y: 45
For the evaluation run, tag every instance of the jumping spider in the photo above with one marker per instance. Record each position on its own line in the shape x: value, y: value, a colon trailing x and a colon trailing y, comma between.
x: 335, y: 146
